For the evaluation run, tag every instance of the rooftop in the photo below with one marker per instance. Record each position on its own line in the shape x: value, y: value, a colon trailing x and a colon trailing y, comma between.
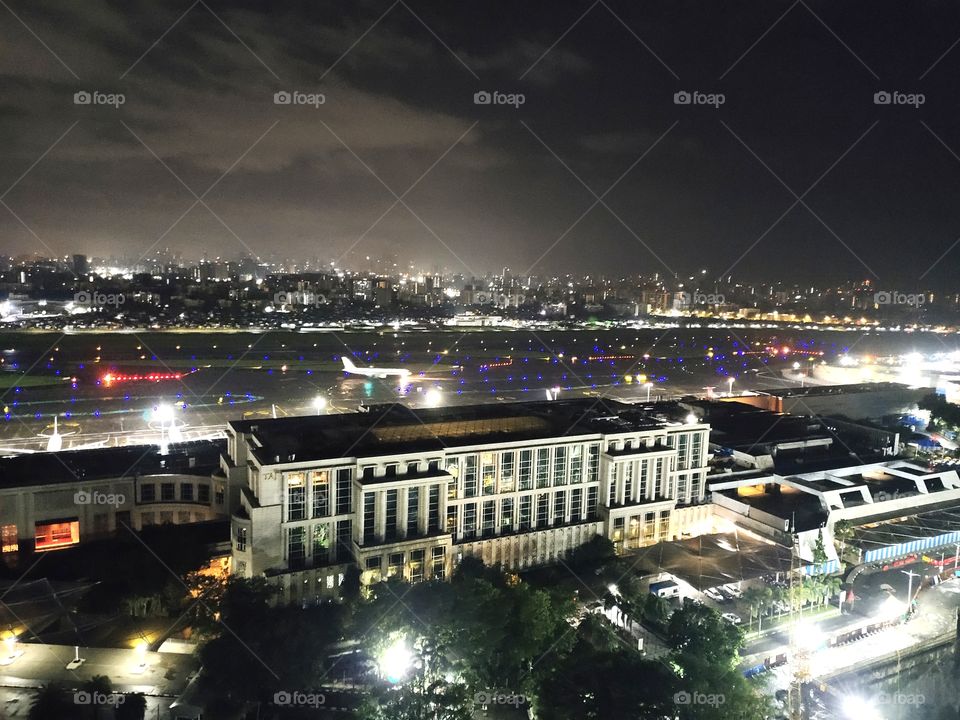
x: 396, y: 428
x: 70, y: 466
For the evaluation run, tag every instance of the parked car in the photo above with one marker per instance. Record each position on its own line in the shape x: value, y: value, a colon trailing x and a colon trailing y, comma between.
x: 731, y: 618
x: 714, y: 595
x: 733, y: 590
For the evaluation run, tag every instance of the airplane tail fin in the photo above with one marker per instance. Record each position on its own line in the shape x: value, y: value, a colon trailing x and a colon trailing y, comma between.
x: 348, y: 364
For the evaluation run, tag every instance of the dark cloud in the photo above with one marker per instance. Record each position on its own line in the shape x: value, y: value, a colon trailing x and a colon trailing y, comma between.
x: 599, y: 93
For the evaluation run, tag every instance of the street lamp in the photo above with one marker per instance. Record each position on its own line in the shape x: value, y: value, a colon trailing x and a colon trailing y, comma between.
x: 730, y: 386
x: 910, y: 574
x: 319, y: 403
x: 395, y: 661
x: 164, y: 414
x: 432, y: 397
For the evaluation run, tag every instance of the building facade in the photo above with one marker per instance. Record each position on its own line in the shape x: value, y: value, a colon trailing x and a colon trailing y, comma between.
x: 411, y: 493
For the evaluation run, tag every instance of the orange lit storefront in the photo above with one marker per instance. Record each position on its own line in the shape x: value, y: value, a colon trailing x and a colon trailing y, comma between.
x: 56, y: 534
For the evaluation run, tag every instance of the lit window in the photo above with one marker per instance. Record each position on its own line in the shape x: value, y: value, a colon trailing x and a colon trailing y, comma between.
x: 57, y: 534
x: 8, y: 538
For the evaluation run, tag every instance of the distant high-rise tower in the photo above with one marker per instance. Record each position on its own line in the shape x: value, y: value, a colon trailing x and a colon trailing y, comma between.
x: 80, y: 264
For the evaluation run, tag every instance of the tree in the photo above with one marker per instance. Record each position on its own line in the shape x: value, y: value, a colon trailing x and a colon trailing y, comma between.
x: 592, y: 555
x: 819, y: 551
x: 52, y: 703
x: 842, y: 532
x: 134, y: 707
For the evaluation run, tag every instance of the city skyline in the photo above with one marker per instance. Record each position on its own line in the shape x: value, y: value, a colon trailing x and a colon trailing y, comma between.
x: 759, y: 139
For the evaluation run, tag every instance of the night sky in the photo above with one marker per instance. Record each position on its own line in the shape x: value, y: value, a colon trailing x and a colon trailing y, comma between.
x: 798, y: 176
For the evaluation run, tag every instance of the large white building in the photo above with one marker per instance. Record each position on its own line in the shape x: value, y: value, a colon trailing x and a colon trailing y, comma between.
x: 411, y: 492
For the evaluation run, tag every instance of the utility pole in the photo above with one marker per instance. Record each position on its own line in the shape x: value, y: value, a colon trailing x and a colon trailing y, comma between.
x: 910, y: 574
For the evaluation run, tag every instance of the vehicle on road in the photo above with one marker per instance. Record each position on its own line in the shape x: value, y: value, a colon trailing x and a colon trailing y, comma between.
x: 714, y: 595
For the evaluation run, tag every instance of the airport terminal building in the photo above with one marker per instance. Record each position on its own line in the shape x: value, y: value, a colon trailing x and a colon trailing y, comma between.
x: 403, y: 492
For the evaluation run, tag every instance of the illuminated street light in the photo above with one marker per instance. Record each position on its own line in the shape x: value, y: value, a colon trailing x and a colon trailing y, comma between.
x: 433, y: 397
x: 691, y: 419
x: 858, y: 708
x: 12, y: 649
x: 320, y: 403
x: 395, y: 661
x: 140, y: 654
x: 163, y: 413
x: 648, y: 386
x: 730, y: 385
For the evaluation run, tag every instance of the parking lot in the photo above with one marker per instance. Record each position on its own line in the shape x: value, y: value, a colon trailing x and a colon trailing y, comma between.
x: 710, y: 560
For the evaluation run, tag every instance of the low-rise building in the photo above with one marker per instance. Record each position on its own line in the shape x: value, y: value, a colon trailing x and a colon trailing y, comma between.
x: 403, y: 492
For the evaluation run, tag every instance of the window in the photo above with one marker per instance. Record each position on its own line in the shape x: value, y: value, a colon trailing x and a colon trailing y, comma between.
x: 628, y: 482
x: 186, y: 492
x: 452, y: 519
x: 344, y: 492
x: 394, y: 564
x: 696, y: 460
x: 576, y: 504
x: 559, y: 507
x: 241, y: 538
x: 593, y: 462
x: 167, y: 492
x: 295, y: 546
x: 219, y: 495
x: 438, y: 562
x: 682, y: 459
x: 344, y: 539
x: 296, y: 502
x: 659, y: 481
x: 373, y: 563
x: 576, y: 464
x: 526, y: 503
x: 644, y: 484
x: 57, y: 534
x: 183, y: 518
x: 101, y: 523
x: 8, y: 539
x: 526, y: 469
x: 469, y: 520
x: 543, y: 467
x: 413, y: 511
x: 433, y: 509
x: 369, y: 517
x: 321, y: 544
x: 320, y: 482
x: 489, y: 512
x: 390, y: 531
x: 591, y: 502
x: 416, y: 565
x: 663, y: 531
x: 506, y: 513
x: 147, y: 519
x: 470, y: 476
x: 203, y: 493
x: 148, y: 492
x: 543, y: 508
x: 488, y: 473
x: 506, y: 472
x: 560, y: 466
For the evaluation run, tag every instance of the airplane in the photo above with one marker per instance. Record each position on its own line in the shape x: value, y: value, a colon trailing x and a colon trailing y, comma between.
x: 374, y: 372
